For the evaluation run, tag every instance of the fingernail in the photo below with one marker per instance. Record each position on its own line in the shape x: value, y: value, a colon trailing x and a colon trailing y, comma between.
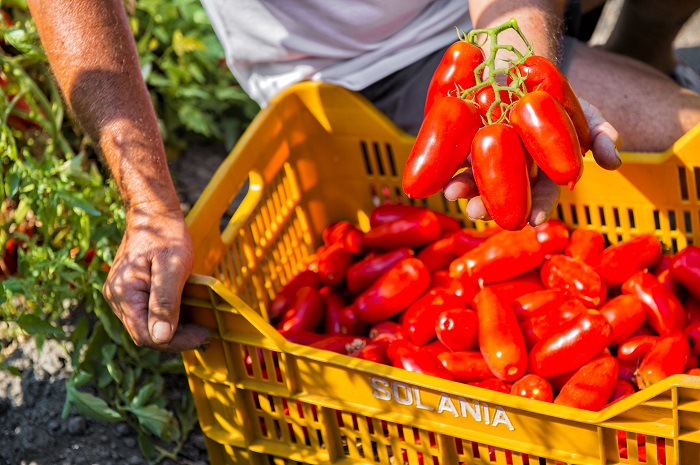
x: 540, y: 218
x: 161, y: 332
x: 617, y: 154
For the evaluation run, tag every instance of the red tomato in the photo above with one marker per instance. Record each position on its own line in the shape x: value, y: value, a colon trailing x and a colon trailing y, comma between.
x: 549, y: 137
x: 454, y: 73
x: 302, y: 336
x: 693, y: 333
x: 625, y: 314
x: 622, y: 389
x: 691, y: 362
x: 281, y: 301
x: 685, y: 269
x: 627, y: 369
x: 533, y: 387
x: 591, y: 386
x: 538, y: 303
x: 364, y: 273
x: 586, y: 246
x: 553, y: 235
x: 493, y: 384
x: 393, y: 292
x: 374, y: 352
x: 518, y: 286
x: 636, y: 347
x: 465, y: 366
x: 500, y: 339
x: 667, y: 280
x: 544, y: 324
x: 346, y: 234
x: 436, y: 347
x: 334, y: 304
x: 621, y: 261
x: 419, y: 320
x: 500, y: 173
x: 441, y: 146
x: 304, y: 312
x: 503, y: 256
x: 468, y: 239
x: 579, y: 279
x: 572, y: 346
x: 485, y: 99
x: 458, y: 329
x: 341, y: 343
x: 692, y: 307
x: 386, y: 330
x: 405, y: 355
x: 465, y: 290
x: 439, y: 254
x: 393, y: 211
x: 665, y: 358
x: 543, y: 75
x: 333, y: 263
x: 664, y: 312
x: 410, y: 231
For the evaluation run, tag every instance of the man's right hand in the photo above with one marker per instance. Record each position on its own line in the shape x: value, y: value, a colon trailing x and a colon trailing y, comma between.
x: 145, y: 283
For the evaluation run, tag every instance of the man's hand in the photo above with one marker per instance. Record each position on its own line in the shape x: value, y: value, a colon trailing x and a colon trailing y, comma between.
x: 545, y: 193
x: 145, y: 282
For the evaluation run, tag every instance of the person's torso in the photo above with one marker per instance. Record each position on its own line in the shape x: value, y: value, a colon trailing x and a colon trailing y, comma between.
x: 270, y: 44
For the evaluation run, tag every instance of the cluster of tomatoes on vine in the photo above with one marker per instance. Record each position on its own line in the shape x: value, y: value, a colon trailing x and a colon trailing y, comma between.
x: 507, y: 125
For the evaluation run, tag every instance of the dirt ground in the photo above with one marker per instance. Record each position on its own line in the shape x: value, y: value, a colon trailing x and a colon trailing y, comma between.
x: 31, y: 428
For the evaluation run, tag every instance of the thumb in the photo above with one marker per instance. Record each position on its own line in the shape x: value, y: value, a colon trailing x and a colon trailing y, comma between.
x: 167, y: 281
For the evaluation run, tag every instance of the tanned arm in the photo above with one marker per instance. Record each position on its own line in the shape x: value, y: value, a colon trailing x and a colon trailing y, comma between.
x: 93, y: 55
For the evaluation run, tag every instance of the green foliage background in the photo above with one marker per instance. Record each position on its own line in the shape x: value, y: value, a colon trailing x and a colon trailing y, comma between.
x: 58, y: 204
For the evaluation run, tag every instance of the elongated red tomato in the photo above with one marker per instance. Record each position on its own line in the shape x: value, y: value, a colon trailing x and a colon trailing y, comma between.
x: 410, y: 357
x: 455, y: 71
x: 586, y: 245
x: 538, y: 303
x: 544, y: 75
x: 441, y: 147
x: 410, y: 231
x: 635, y: 348
x: 393, y: 292
x: 465, y: 366
x: 513, y: 288
x: 364, y: 273
x: 622, y: 260
x: 503, y: 256
x: 304, y: 312
x: 685, y: 269
x: 333, y: 263
x: 591, y: 386
x: 625, y: 314
x: 665, y: 358
x: 419, y: 319
x: 393, y: 211
x: 485, y: 99
x: 500, y: 172
x: 579, y: 279
x: 284, y: 297
x: 549, y: 137
x: 544, y: 324
x: 438, y: 254
x: 664, y: 312
x: 572, y: 346
x: 500, y: 339
x: 553, y: 235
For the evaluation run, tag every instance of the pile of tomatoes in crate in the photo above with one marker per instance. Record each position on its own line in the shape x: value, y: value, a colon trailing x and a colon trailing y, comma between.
x: 544, y: 313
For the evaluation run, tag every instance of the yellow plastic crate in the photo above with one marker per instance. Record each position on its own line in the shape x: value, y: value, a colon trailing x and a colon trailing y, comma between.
x: 319, y: 154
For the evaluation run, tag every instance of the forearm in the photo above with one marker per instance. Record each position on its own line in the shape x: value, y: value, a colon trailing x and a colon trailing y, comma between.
x: 95, y: 62
x: 539, y: 20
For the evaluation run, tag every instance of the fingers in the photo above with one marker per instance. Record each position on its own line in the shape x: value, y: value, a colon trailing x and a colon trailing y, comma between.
x: 461, y: 186
x: 605, y: 140
x: 476, y: 210
x: 545, y: 196
x: 168, y: 278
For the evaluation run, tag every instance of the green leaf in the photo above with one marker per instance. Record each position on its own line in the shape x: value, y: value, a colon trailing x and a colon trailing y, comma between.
x: 14, y: 371
x: 143, y: 395
x: 76, y: 201
x: 33, y: 324
x: 91, y: 406
x: 21, y: 211
x: 155, y: 420
x: 146, y: 445
x: 11, y: 184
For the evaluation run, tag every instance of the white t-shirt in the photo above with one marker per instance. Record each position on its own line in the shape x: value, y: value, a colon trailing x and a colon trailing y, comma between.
x: 271, y: 44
